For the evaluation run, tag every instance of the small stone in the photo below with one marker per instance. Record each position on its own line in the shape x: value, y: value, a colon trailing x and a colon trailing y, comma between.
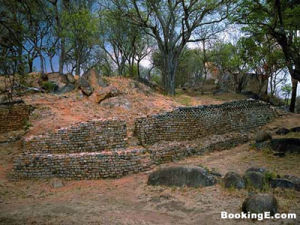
x: 262, y: 136
x: 56, y: 183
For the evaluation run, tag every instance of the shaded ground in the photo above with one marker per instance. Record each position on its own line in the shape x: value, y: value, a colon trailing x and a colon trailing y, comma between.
x: 130, y: 201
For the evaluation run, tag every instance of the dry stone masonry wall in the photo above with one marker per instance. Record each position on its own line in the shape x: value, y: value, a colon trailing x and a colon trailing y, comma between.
x: 97, y: 149
x: 188, y: 123
x: 13, y: 116
x: 95, y: 165
x: 91, y: 136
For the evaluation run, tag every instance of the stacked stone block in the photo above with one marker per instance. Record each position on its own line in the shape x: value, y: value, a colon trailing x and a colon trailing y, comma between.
x: 91, y: 136
x: 188, y: 123
x: 97, y: 149
x: 95, y: 165
x: 13, y: 116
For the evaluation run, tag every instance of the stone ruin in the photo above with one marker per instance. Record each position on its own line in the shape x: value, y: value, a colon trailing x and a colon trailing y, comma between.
x: 98, y: 149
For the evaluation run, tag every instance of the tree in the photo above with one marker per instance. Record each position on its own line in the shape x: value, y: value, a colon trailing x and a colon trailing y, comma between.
x: 279, y: 19
x: 80, y: 34
x: 265, y: 58
x: 172, y: 24
x: 126, y: 44
x: 231, y: 63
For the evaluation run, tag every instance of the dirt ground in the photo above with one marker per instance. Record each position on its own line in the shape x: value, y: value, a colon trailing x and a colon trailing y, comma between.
x: 130, y: 200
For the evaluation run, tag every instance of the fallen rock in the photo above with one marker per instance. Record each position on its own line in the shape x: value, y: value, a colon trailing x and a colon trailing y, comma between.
x: 286, y: 145
x: 255, y: 180
x: 281, y: 183
x: 262, y: 136
x: 67, y: 88
x: 282, y: 131
x: 256, y: 169
x: 56, y: 183
x: 295, y: 129
x: 191, y: 176
x: 116, y: 102
x: 106, y: 93
x: 233, y: 180
x: 279, y: 154
x: 260, y: 203
x: 94, y: 79
x: 295, y: 180
x: 85, y: 86
x: 71, y: 79
x: 59, y: 79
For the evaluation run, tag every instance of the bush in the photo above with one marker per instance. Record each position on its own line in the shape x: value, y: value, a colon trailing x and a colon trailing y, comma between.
x: 49, y: 86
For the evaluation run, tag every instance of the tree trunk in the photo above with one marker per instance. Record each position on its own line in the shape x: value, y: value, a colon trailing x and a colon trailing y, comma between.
x: 170, y: 69
x: 138, y: 69
x: 30, y: 65
x: 20, y: 66
x: 77, y: 70
x: 62, y: 56
x: 294, y: 95
x: 51, y: 64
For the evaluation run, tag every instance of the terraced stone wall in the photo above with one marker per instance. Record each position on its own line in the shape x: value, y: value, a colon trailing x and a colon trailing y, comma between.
x: 13, y: 116
x: 188, y: 123
x: 95, y: 165
x: 91, y: 136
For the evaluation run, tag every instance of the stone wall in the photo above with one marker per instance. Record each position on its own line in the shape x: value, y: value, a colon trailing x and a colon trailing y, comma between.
x: 94, y: 165
x: 78, y: 152
x: 188, y: 123
x: 91, y: 136
x: 13, y: 116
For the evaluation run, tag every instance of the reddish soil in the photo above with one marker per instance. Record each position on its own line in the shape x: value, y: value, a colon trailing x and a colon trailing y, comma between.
x: 56, y: 111
x: 130, y: 200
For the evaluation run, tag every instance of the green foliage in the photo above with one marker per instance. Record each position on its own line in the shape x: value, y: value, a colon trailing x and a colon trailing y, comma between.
x: 80, y: 30
x: 190, y: 65
x: 80, y: 26
x: 156, y: 78
x: 49, y: 86
x: 27, y: 125
x: 286, y: 89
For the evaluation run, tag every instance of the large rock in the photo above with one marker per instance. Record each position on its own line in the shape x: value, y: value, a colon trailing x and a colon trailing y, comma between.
x: 282, y: 183
x: 260, y: 203
x: 59, y: 79
x: 94, y: 79
x: 233, y: 180
x: 262, y: 136
x: 295, y: 129
x: 67, y: 88
x: 295, y: 180
x: 282, y: 131
x: 85, y: 86
x: 255, y: 180
x: 107, y: 92
x: 119, y: 101
x: 286, y: 145
x: 71, y: 79
x: 191, y: 176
